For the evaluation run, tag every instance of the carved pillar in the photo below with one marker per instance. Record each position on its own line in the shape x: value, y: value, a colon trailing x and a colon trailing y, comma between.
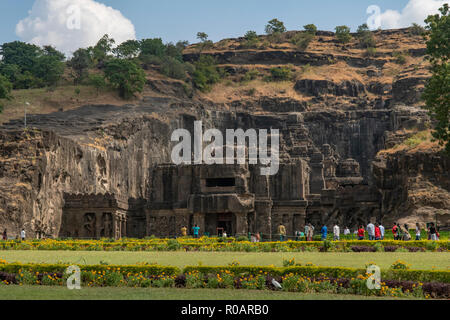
x: 263, y: 210
x: 98, y: 225
x: 241, y: 224
x: 124, y: 226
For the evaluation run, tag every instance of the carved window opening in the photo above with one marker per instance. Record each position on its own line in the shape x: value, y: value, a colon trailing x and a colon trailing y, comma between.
x: 220, y: 182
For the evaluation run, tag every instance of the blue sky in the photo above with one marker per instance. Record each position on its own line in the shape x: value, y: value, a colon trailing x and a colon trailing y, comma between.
x: 175, y: 20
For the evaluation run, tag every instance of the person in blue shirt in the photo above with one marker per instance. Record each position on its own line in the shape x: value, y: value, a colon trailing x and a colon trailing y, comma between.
x: 324, y: 232
x: 196, y: 229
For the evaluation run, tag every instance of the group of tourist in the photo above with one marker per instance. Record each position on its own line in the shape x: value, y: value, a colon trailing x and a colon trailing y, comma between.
x: 374, y: 232
x: 5, y: 234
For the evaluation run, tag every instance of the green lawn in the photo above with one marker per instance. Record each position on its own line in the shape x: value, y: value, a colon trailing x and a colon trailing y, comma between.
x: 421, y: 260
x: 62, y: 293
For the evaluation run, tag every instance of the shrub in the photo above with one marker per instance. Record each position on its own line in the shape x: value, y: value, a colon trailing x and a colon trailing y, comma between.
x: 251, y: 40
x: 417, y: 30
x: 371, y: 52
x: 343, y: 34
x: 365, y: 37
x: 311, y: 29
x: 173, y: 245
x: 205, y: 74
x: 173, y: 68
x: 431, y: 246
x: 400, y: 58
x: 302, y: 40
x: 280, y: 74
x: 399, y: 265
x: 250, y: 75
x: 378, y: 247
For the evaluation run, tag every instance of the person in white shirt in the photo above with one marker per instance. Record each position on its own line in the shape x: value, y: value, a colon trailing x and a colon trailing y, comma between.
x: 418, y: 232
x: 371, y: 231
x: 346, y: 231
x: 381, y: 231
x: 22, y: 234
x: 336, y: 232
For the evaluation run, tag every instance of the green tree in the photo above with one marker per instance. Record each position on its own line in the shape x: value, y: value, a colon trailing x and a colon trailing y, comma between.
x: 50, y: 66
x: 205, y: 74
x: 275, y: 26
x: 5, y: 90
x: 365, y: 37
x: 251, y: 39
x: 152, y: 47
x: 80, y: 63
x: 97, y: 81
x: 10, y: 71
x: 103, y: 49
x: 174, y: 51
x: 20, y: 54
x: 437, y: 89
x: 310, y: 28
x: 128, y: 49
x: 343, y: 34
x: 52, y: 52
x: 205, y: 43
x: 125, y: 76
x: 202, y: 36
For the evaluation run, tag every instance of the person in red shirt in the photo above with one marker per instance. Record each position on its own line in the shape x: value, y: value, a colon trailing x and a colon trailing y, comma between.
x: 395, y: 232
x: 377, y: 232
x: 361, y: 233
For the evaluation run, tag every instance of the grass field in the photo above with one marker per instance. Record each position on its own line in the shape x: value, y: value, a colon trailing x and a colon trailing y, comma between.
x: 419, y: 260
x: 62, y: 293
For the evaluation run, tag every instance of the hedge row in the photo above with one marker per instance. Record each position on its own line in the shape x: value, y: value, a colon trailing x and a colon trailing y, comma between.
x: 215, y: 244
x: 149, y: 270
x: 442, y: 276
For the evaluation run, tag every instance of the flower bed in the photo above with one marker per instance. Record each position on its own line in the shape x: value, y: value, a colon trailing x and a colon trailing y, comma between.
x: 398, y: 283
x: 230, y: 244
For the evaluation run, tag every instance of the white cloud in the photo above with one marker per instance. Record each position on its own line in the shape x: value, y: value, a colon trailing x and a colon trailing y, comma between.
x: 416, y: 11
x: 72, y: 24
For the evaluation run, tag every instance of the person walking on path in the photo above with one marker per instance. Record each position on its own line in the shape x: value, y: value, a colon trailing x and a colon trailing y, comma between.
x: 371, y: 231
x: 361, y: 233
x: 405, y: 232
x: 433, y: 232
x: 336, y: 233
x: 282, y: 232
x: 395, y: 232
x: 377, y: 232
x: 346, y: 232
x: 22, y: 234
x: 382, y: 231
x: 183, y: 231
x: 418, y: 232
x: 311, y: 231
x: 196, y: 229
x: 307, y: 231
x: 324, y: 232
x: 5, y: 235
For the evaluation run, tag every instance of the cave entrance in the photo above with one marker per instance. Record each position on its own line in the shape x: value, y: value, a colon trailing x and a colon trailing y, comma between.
x: 225, y: 223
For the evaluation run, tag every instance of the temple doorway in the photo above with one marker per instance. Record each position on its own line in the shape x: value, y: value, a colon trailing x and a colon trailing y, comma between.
x: 225, y: 223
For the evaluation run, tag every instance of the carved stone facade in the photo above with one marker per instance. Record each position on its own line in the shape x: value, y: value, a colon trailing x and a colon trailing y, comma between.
x: 93, y: 217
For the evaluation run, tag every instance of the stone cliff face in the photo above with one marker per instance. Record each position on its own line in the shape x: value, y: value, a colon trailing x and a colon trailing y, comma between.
x: 39, y: 166
x: 415, y: 186
x: 332, y: 128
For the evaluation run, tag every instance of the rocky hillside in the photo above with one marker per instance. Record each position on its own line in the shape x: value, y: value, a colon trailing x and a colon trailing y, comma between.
x: 339, y: 103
